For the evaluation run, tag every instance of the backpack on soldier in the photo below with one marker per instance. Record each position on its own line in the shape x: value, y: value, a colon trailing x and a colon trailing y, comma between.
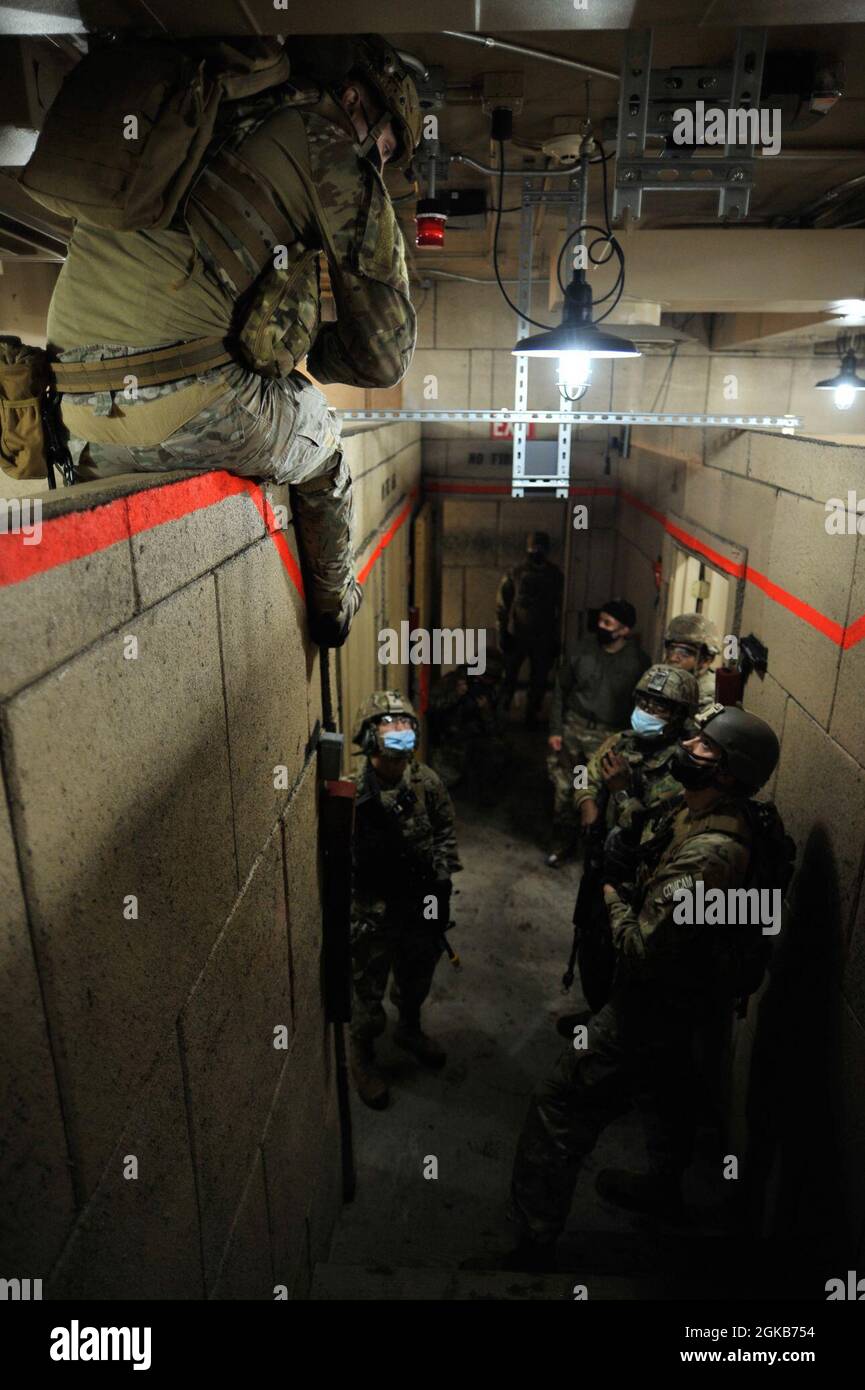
x: 132, y: 121
x: 742, y: 952
x: 773, y: 855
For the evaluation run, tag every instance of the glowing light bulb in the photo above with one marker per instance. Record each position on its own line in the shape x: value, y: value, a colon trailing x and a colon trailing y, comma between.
x: 575, y: 368
x: 845, y: 395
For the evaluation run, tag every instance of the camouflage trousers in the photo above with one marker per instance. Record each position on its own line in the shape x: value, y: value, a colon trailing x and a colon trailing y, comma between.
x: 410, y: 950
x: 579, y: 742
x: 280, y: 428
x: 637, y: 1046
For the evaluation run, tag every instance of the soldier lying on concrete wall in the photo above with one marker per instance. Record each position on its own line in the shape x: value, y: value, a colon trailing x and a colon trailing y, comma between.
x: 290, y: 171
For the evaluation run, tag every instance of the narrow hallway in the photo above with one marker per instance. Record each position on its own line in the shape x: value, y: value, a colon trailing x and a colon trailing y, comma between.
x: 405, y: 1235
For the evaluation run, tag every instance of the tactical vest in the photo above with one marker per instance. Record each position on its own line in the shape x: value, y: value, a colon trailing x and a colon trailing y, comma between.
x: 741, y: 952
x: 536, y: 590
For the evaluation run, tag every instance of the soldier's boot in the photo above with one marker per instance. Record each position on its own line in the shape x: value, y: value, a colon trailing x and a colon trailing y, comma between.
x: 568, y: 1022
x: 322, y: 519
x: 658, y: 1194
x: 369, y: 1082
x: 409, y: 1036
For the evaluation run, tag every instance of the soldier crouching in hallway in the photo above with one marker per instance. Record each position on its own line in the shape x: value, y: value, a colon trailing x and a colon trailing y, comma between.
x: 666, y: 977
x: 591, y: 700
x: 469, y: 751
x: 404, y: 853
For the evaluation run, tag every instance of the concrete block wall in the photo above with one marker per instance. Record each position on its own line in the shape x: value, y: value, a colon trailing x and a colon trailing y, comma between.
x: 799, y: 1057
x: 386, y: 468
x: 159, y: 886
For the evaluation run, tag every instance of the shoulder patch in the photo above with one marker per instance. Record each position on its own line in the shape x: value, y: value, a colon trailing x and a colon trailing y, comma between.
x: 685, y: 881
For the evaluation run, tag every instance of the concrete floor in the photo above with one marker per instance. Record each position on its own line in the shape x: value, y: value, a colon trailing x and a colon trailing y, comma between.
x: 404, y: 1235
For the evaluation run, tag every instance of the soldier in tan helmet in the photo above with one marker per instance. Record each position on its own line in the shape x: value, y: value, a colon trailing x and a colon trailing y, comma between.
x: 291, y: 171
x: 405, y: 854
x: 693, y: 642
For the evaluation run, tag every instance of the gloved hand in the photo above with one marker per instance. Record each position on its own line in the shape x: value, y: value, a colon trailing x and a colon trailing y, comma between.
x: 332, y: 629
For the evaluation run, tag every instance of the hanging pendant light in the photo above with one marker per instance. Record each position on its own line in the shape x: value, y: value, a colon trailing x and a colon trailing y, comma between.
x: 846, y: 384
x: 577, y: 340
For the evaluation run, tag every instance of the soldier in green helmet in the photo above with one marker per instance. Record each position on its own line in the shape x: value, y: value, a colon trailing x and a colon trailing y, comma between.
x: 291, y: 172
x: 669, y: 975
x: 692, y: 642
x: 632, y: 770
x: 628, y: 779
x: 405, y: 854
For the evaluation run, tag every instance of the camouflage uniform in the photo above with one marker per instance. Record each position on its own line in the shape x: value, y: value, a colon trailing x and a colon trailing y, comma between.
x: 528, y: 611
x: 652, y: 782
x: 592, y: 699
x: 642, y: 1039
x: 120, y: 294
x: 396, y: 864
x: 470, y: 746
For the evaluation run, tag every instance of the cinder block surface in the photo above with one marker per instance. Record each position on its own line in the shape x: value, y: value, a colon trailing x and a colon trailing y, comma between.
x: 247, y: 1269
x: 265, y: 668
x: 820, y: 786
x: 48, y: 618
x: 294, y: 1148
x: 469, y: 532
x: 806, y: 466
x: 227, y: 1036
x: 761, y: 386
x: 473, y: 316
x: 453, y: 584
x: 138, y: 1237
x: 767, y: 699
x: 479, y: 389
x: 119, y: 786
x: 848, y: 726
x: 173, y: 553
x: 818, y: 569
x: 35, y: 1182
x: 481, y: 586
x: 437, y: 381
x: 301, y: 852
x: 728, y: 449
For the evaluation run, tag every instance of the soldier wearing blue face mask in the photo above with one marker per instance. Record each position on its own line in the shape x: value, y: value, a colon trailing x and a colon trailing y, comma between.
x: 630, y: 772
x: 627, y: 780
x: 404, y: 853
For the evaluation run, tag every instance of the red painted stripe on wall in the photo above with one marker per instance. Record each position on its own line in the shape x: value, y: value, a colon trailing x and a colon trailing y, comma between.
x: 836, y: 632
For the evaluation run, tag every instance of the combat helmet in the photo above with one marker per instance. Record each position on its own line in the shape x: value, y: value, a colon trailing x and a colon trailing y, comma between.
x: 670, y: 683
x: 379, y: 703
x: 750, y: 746
x: 694, y: 630
x: 370, y: 58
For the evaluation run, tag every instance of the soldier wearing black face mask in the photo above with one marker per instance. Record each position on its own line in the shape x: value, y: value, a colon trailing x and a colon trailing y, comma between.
x: 592, y: 699
x: 528, y: 614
